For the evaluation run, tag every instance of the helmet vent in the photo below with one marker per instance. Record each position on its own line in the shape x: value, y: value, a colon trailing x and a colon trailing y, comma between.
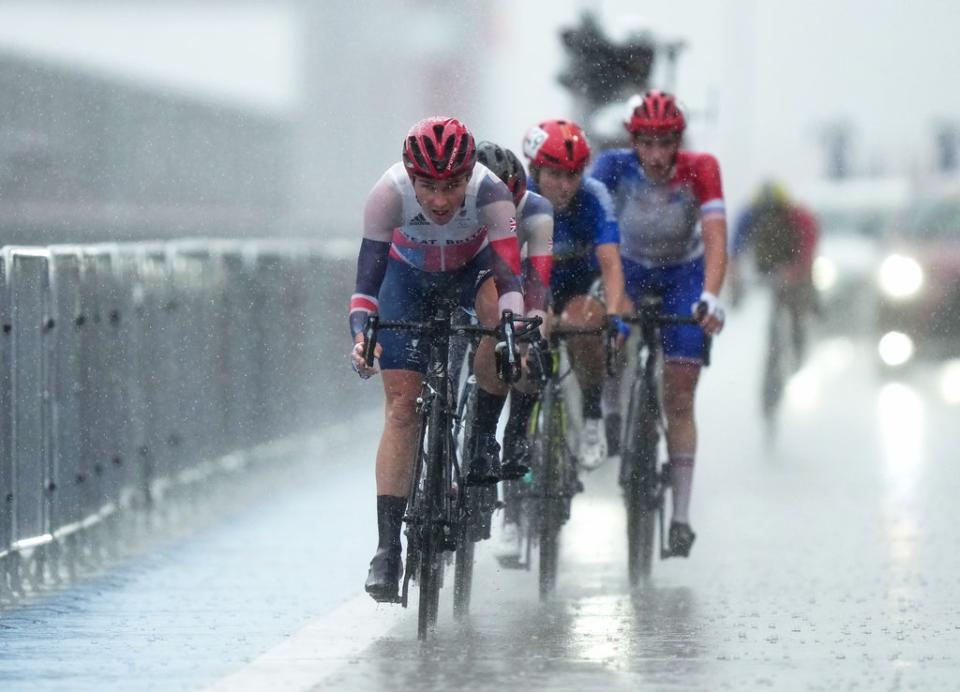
x: 418, y: 153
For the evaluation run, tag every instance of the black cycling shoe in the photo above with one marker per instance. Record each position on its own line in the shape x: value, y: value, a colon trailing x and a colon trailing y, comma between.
x: 517, y: 454
x: 611, y: 423
x: 485, y: 465
x: 383, y: 579
x: 681, y: 539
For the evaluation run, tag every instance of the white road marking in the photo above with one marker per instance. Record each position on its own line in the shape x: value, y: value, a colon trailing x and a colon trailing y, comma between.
x: 318, y: 650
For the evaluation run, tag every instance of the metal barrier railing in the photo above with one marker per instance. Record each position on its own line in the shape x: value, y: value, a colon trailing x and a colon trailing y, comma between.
x: 125, y: 367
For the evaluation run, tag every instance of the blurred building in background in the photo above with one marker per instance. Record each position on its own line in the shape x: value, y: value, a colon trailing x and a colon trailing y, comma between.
x: 147, y: 138
x: 87, y: 158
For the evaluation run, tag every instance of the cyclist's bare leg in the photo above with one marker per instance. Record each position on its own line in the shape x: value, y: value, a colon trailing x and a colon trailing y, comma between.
x: 586, y: 352
x: 612, y: 390
x: 679, y: 386
x: 589, y: 361
x: 395, y: 464
x: 484, y: 365
x: 395, y: 456
x: 491, y: 393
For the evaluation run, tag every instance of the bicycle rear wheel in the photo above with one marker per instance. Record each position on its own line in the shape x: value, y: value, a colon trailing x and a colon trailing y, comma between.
x: 639, y: 480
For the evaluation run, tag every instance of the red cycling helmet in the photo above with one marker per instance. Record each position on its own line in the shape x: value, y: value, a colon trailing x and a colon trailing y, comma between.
x: 656, y: 112
x: 557, y: 144
x: 439, y: 148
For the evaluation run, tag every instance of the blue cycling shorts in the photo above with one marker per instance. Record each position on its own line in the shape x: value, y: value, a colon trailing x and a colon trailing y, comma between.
x: 679, y: 286
x: 569, y: 279
x: 411, y: 295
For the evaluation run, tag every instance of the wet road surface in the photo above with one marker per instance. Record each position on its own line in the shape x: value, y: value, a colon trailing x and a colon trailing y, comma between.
x: 829, y: 559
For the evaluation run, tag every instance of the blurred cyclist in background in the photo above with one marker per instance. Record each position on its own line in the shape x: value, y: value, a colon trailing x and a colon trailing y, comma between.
x: 782, y: 237
x: 670, y: 208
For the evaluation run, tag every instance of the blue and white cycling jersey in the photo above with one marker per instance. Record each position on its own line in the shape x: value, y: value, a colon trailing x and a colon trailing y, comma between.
x: 588, y: 221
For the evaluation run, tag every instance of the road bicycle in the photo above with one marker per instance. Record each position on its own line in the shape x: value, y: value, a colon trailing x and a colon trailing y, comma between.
x: 643, y: 479
x: 438, y: 501
x: 546, y: 494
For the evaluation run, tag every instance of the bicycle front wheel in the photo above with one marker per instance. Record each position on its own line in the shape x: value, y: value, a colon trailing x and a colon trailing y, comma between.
x: 468, y: 510
x: 639, y: 479
x: 433, y: 531
x: 550, y: 447
x: 549, y: 546
x: 463, y: 576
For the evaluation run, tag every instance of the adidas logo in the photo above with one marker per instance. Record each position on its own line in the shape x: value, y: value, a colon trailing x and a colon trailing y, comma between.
x: 419, y: 220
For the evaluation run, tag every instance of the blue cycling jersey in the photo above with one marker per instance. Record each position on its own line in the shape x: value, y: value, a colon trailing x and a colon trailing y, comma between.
x: 588, y: 221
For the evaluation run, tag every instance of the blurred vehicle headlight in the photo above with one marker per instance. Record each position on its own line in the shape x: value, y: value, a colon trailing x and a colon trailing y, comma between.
x: 900, y: 276
x: 824, y: 273
x: 895, y: 348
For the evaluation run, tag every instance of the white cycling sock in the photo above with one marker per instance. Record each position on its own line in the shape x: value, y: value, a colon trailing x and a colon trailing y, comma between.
x: 681, y: 480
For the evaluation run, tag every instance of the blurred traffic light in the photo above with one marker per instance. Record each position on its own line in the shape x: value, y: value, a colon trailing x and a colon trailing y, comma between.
x: 600, y: 70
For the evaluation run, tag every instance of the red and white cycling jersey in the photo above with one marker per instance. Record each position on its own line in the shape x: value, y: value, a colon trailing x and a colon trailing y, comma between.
x: 431, y: 247
x: 395, y: 223
x: 660, y: 223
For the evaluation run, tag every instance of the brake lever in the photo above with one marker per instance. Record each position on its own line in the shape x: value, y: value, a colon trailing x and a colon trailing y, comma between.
x: 370, y: 339
x: 508, y: 366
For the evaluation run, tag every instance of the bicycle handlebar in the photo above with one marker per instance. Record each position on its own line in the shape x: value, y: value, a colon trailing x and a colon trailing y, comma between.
x: 657, y: 318
x: 510, y: 370
x: 506, y: 332
x: 649, y: 314
x: 561, y: 331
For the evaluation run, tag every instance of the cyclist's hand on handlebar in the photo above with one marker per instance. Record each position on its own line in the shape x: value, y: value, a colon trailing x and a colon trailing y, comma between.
x: 617, y: 327
x: 359, y: 364
x: 709, y: 313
